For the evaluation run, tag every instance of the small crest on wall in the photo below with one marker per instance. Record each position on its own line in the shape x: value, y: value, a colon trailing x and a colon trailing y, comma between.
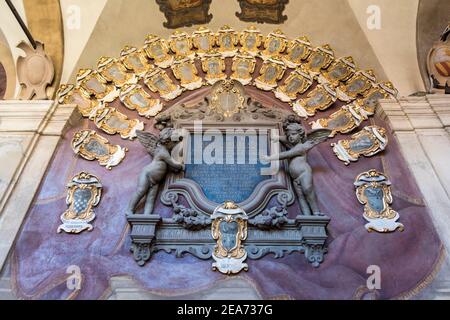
x: 203, y: 40
x: 297, y: 51
x: 340, y: 71
x: 358, y: 85
x: 113, y: 71
x: 158, y: 81
x: 213, y: 65
x: 229, y: 229
x: 250, y: 40
x: 320, y: 98
x: 373, y: 190
x: 185, y: 70
x: 243, y: 67
x: 320, y: 58
x: 94, y: 85
x: 271, y: 71
x: 185, y: 13
x: 367, y: 142
x: 438, y: 63
x: 262, y: 11
x: 112, y: 121
x: 69, y: 94
x: 227, y: 39
x: 134, y: 60
x: 84, y: 193
x: 157, y: 49
x: 345, y: 120
x: 134, y: 97
x: 92, y: 146
x: 296, y: 83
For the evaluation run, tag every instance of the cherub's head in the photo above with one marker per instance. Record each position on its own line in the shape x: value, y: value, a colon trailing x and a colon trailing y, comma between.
x: 169, y: 137
x: 295, y: 133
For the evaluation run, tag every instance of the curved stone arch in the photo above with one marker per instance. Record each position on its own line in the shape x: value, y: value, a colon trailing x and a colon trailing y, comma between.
x: 7, y: 62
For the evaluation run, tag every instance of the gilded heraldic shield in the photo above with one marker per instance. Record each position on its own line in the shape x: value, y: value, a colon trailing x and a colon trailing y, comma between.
x: 229, y: 229
x: 84, y: 193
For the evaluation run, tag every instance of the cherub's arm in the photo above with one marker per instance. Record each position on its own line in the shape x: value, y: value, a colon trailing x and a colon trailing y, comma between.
x: 284, y: 141
x: 173, y: 164
x: 296, y: 151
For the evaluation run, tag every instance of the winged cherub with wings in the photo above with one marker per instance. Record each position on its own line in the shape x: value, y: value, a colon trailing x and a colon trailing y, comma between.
x: 154, y: 173
x: 298, y: 143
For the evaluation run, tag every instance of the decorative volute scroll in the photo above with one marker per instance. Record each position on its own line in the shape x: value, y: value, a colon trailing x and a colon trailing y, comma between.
x: 35, y: 72
x: 373, y: 190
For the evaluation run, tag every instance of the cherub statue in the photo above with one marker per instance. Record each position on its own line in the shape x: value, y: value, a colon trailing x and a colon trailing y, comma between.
x: 298, y: 144
x: 154, y: 173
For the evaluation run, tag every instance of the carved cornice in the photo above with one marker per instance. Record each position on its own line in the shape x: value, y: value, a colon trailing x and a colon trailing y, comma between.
x: 430, y: 112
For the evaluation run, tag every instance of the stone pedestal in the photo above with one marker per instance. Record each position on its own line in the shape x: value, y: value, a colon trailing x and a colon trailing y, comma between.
x: 422, y: 127
x: 29, y: 134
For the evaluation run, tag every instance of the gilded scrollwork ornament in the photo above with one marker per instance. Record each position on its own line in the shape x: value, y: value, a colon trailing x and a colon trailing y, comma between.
x: 250, y: 40
x: 113, y: 71
x: 274, y: 44
x: 84, y: 193
x: 181, y: 44
x: 383, y: 90
x: 367, y: 142
x: 112, y: 121
x: 203, y: 40
x: 69, y: 94
x: 296, y: 83
x: 320, y: 58
x: 158, y: 81
x: 134, y: 97
x: 243, y: 67
x: 356, y: 86
x: 271, y: 71
x: 158, y: 50
x: 229, y: 229
x: 320, y: 98
x: 185, y: 70
x: 373, y: 190
x: 345, y: 120
x: 227, y: 39
x: 92, y: 146
x: 298, y: 50
x: 339, y: 71
x: 94, y: 85
x: 213, y: 65
x: 135, y: 60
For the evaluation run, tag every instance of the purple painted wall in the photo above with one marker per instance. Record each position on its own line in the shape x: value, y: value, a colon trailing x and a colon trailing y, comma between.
x: 407, y: 259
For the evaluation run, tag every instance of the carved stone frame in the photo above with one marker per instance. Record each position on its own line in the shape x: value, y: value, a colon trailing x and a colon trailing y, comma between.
x: 259, y: 198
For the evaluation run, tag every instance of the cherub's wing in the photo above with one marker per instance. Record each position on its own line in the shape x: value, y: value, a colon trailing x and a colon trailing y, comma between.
x: 148, y: 140
x: 317, y: 136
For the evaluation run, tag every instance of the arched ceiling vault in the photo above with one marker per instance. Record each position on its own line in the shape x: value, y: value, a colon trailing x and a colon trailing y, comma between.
x: 341, y: 23
x: 106, y: 26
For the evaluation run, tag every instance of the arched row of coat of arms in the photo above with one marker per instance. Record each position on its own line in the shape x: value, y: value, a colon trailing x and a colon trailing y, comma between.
x: 229, y: 166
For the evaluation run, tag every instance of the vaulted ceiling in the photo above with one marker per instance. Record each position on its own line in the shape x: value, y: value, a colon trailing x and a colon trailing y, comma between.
x: 106, y: 26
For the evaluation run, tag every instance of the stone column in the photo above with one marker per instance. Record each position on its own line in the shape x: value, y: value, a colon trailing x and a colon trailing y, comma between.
x: 421, y: 125
x: 29, y: 134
